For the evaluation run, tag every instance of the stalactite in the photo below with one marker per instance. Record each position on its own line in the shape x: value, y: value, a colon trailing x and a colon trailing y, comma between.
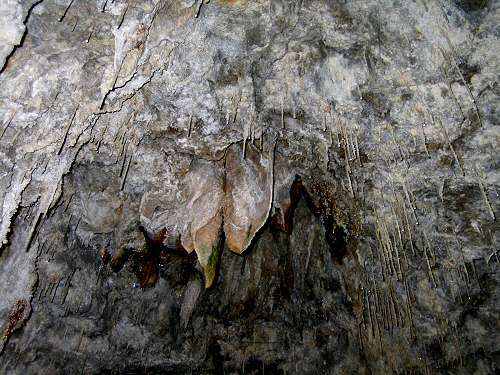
x: 66, y: 131
x: 447, y: 140
x: 90, y: 35
x: 122, y: 18
x: 429, y: 268
x: 282, y: 113
x: 66, y: 11
x: 190, y: 125
x: 485, y: 196
x: 7, y: 124
x: 464, y: 82
x: 124, y: 178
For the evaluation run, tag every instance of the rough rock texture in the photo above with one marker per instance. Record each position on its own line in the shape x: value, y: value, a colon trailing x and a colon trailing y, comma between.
x: 236, y: 186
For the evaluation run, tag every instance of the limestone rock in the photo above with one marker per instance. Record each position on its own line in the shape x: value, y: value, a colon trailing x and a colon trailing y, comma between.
x: 329, y: 169
x: 204, y: 185
x: 249, y: 194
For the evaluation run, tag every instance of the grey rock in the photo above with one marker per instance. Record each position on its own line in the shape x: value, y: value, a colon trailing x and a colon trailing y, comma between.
x: 329, y: 171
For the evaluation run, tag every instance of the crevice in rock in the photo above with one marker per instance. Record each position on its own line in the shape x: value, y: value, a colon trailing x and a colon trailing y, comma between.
x: 146, y: 262
x: 336, y: 235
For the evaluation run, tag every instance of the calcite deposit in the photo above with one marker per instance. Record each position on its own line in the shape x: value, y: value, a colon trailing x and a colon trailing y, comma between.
x: 249, y: 187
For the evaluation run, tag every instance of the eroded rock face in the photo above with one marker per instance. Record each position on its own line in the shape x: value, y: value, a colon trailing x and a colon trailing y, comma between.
x: 327, y: 170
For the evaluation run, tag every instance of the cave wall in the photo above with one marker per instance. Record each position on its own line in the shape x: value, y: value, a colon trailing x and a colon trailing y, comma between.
x: 234, y: 186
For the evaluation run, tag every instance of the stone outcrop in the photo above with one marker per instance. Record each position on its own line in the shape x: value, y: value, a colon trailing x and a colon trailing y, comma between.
x: 268, y: 186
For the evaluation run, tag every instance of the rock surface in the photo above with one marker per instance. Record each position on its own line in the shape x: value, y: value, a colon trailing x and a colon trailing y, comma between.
x: 235, y: 186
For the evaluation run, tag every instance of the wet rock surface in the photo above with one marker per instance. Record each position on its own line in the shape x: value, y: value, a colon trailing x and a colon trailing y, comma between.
x: 251, y: 187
